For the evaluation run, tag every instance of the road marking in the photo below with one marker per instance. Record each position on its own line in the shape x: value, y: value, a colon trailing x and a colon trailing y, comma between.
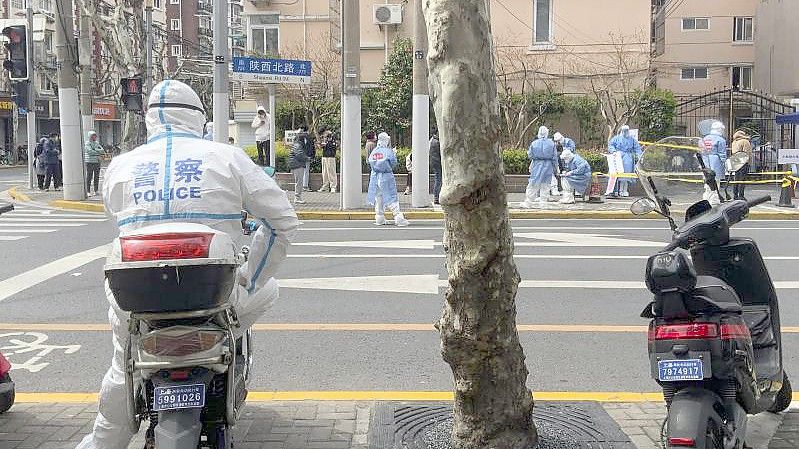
x: 382, y: 244
x: 9, y: 238
x: 27, y: 231
x: 54, y: 219
x: 419, y: 283
x: 28, y: 279
x: 50, y: 214
x: 40, y: 224
x: 515, y: 256
x: 32, y: 345
x: 358, y: 327
x: 352, y: 396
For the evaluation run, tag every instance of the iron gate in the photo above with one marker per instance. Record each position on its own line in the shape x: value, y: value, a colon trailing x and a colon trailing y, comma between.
x: 753, y: 112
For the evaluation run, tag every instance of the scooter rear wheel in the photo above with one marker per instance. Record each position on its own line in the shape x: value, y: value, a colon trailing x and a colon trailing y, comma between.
x: 784, y: 397
x: 712, y: 438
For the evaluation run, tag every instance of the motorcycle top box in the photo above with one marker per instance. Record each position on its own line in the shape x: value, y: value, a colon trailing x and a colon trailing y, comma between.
x: 172, y: 267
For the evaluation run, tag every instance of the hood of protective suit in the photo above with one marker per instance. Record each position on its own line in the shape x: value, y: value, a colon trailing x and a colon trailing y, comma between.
x: 91, y: 134
x: 557, y: 137
x: 43, y: 140
x: 383, y: 140
x: 174, y: 106
x: 260, y: 109
x: 543, y: 132
x: 625, y: 131
x: 717, y: 128
x: 567, y: 155
x: 740, y: 135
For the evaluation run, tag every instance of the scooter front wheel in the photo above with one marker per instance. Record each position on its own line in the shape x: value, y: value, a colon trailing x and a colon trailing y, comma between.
x: 784, y: 397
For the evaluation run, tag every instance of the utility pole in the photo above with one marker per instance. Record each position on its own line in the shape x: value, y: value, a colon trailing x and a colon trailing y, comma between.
x: 31, y: 115
x: 69, y: 108
x: 85, y: 55
x: 148, y: 31
x: 351, y: 188
x: 221, y: 96
x: 420, y: 145
x: 272, y: 112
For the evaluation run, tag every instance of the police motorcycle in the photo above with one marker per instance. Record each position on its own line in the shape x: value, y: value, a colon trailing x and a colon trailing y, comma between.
x: 186, y: 372
x: 714, y: 338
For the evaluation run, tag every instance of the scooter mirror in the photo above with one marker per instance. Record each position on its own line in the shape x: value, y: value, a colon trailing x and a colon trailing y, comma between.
x: 642, y: 206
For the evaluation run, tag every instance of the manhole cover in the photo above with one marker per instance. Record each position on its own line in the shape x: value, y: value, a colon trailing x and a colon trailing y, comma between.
x: 566, y: 425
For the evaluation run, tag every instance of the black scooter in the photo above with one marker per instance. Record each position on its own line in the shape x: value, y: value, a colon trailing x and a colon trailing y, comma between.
x: 714, y: 338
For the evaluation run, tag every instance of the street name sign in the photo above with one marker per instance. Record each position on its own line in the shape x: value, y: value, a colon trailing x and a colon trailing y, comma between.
x: 271, y: 71
x: 788, y: 156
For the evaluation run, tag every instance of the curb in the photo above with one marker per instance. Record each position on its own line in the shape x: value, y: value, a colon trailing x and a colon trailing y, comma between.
x: 18, y: 196
x: 77, y: 205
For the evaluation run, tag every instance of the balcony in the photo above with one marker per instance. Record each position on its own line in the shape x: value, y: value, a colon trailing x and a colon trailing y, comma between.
x: 205, y: 8
x: 205, y: 32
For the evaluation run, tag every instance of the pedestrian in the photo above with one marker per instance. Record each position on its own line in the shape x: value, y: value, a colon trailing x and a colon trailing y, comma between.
x: 714, y: 156
x: 209, y: 131
x: 576, y: 175
x: 92, y: 151
x: 382, y: 183
x: 329, y: 149
x: 58, y: 177
x: 435, y: 166
x: 543, y: 160
x: 227, y: 183
x: 40, y: 162
x: 371, y: 143
x: 630, y: 150
x: 310, y: 151
x: 564, y: 143
x: 231, y: 140
x: 297, y: 163
x: 409, y: 169
x: 741, y: 143
x: 263, y: 133
x: 51, y: 156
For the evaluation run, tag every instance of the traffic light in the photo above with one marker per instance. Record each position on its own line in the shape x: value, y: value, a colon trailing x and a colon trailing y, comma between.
x: 132, y: 94
x: 16, y: 52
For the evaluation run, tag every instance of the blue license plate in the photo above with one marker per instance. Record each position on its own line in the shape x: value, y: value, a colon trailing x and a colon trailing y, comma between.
x: 177, y: 397
x: 680, y: 370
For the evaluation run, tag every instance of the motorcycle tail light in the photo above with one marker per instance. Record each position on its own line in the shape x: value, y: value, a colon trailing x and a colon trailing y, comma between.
x: 137, y: 248
x: 686, y: 331
x: 734, y: 331
x: 180, y: 342
x: 682, y: 442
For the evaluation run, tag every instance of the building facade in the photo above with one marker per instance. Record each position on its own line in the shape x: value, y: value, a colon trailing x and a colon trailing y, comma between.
x: 775, y: 48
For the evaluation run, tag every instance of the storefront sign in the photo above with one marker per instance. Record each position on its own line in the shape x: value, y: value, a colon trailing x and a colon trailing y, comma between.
x: 788, y: 156
x: 6, y: 106
x: 104, y: 111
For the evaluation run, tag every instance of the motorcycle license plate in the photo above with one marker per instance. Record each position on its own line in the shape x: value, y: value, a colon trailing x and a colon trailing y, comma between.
x: 680, y: 370
x: 178, y: 397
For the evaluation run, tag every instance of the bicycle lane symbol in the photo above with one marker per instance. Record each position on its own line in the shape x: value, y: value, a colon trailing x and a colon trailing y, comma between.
x: 18, y: 346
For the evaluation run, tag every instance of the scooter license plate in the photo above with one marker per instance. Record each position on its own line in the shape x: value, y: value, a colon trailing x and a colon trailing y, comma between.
x: 178, y: 397
x: 680, y: 370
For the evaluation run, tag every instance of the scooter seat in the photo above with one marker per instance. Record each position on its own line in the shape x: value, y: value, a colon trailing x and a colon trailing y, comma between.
x: 712, y: 292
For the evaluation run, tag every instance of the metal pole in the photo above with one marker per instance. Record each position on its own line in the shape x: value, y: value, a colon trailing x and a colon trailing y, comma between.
x: 272, y: 148
x: 420, y: 145
x: 69, y: 108
x: 148, y: 30
x: 351, y: 189
x: 85, y: 54
x: 31, y: 116
x: 221, y: 62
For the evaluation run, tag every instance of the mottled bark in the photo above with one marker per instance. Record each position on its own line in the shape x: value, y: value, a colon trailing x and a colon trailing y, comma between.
x: 479, y: 340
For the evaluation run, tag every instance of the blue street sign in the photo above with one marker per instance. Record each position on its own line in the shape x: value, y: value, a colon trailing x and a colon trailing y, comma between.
x: 271, y: 70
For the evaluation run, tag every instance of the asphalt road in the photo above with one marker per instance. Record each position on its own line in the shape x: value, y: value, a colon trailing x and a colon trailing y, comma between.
x: 348, y: 273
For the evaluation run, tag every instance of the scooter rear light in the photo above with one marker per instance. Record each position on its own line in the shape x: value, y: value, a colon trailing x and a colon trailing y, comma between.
x: 137, y: 248
x: 682, y: 442
x: 687, y: 331
x: 180, y: 342
x: 735, y: 331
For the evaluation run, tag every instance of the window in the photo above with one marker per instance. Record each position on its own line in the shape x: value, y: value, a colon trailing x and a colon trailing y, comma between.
x: 264, y: 35
x: 175, y: 24
x: 695, y: 23
x: 157, y: 4
x: 174, y: 2
x: 694, y: 73
x: 48, y: 41
x: 177, y: 50
x: 542, y: 22
x: 744, y: 29
x: 742, y: 78
x: 18, y: 4
x: 46, y: 5
x: 46, y: 84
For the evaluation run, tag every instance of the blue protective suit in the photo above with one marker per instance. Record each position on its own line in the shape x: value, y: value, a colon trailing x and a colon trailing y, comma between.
x: 543, y: 160
x: 630, y: 149
x: 568, y: 144
x: 579, y: 173
x: 382, y: 160
x: 715, y: 154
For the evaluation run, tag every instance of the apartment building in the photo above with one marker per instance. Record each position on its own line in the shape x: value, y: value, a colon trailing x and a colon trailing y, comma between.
x: 777, y: 63
x: 702, y: 46
x: 190, y: 34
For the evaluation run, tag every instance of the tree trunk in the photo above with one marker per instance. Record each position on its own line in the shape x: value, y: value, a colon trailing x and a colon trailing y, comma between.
x: 479, y: 340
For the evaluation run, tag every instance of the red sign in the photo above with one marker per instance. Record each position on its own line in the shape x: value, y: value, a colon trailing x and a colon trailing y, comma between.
x: 104, y: 111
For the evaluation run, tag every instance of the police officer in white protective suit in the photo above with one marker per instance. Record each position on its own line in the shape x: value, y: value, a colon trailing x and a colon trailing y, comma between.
x: 178, y: 176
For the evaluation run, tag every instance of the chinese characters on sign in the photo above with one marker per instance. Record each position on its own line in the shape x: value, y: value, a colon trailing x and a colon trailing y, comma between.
x: 186, y: 171
x: 271, y: 70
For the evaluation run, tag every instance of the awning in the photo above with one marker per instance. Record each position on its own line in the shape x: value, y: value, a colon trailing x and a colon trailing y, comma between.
x: 788, y: 119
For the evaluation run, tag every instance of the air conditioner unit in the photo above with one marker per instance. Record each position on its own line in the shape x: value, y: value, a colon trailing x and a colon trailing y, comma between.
x: 387, y: 14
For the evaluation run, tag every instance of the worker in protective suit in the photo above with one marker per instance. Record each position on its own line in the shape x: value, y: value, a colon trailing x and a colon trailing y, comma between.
x: 631, y: 151
x: 714, y: 155
x: 543, y: 161
x: 576, y: 175
x: 561, y: 143
x: 382, y: 184
x: 209, y: 131
x: 179, y: 177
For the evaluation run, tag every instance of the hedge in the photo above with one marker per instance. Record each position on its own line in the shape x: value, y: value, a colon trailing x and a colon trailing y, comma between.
x: 515, y: 160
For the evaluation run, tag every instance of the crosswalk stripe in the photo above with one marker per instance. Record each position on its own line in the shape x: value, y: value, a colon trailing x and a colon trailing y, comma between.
x: 40, y: 225
x: 51, y: 219
x: 53, y: 215
x: 9, y: 238
x: 32, y: 231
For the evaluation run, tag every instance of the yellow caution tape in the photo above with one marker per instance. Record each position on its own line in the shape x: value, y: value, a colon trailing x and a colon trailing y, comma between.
x: 671, y: 145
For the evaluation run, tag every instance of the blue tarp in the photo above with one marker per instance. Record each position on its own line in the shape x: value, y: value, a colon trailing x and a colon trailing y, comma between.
x: 788, y: 119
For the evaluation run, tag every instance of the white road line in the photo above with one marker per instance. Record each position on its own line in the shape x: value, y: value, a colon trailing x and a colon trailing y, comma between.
x: 26, y: 231
x: 388, y: 244
x: 393, y: 229
x: 54, y: 219
x: 516, y: 256
x: 40, y: 224
x: 10, y: 238
x: 50, y: 214
x: 28, y: 279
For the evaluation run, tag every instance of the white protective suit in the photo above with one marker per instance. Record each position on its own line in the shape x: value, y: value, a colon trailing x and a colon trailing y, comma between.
x: 179, y: 177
